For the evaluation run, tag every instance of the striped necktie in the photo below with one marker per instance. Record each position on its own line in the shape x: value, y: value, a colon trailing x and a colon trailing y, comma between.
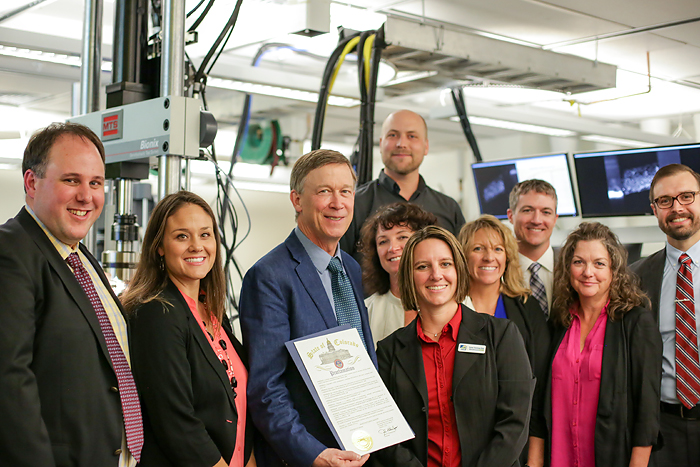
x: 537, y: 287
x: 344, y: 298
x: 687, y: 366
x: 131, y: 408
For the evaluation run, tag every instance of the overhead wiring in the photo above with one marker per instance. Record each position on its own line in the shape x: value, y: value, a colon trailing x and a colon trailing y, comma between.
x: 461, y: 108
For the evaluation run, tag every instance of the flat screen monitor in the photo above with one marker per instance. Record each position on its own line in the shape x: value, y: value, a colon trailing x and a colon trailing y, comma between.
x: 616, y: 183
x: 495, y: 179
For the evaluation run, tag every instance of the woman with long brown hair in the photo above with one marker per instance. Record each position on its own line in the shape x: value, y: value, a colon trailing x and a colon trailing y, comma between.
x: 600, y: 404
x: 187, y: 364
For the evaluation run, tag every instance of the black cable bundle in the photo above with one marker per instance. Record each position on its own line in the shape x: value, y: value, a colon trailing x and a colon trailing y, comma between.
x: 323, y: 93
x: 461, y: 108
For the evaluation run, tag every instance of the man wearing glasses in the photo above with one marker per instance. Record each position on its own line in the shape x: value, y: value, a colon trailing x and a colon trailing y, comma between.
x: 671, y: 278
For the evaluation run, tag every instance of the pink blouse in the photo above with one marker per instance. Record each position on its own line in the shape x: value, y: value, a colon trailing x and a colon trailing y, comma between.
x: 234, y: 369
x: 575, y: 392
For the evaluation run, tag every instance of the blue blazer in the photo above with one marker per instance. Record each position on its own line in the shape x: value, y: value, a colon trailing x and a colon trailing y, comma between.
x: 282, y: 298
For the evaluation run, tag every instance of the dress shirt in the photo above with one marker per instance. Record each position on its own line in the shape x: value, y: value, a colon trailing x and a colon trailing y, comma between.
x: 321, y: 260
x: 500, y: 311
x: 386, y: 315
x: 546, y: 272
x: 384, y: 191
x: 667, y: 315
x: 115, y: 316
x: 575, y: 392
x: 439, y: 363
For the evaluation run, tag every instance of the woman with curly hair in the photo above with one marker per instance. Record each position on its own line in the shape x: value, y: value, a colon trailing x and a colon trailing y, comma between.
x: 382, y: 239
x: 600, y: 405
x: 495, y: 287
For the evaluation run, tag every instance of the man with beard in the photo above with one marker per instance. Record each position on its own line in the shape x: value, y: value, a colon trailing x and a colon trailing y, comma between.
x: 403, y: 145
x: 670, y: 277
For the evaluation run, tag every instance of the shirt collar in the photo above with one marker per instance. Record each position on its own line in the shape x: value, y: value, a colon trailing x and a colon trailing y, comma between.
x: 673, y: 254
x: 63, y: 249
x: 546, y: 260
x: 451, y: 329
x: 389, y: 183
x: 319, y: 257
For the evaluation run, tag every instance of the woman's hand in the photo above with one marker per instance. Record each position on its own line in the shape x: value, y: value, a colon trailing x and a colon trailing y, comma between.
x: 640, y: 456
x: 535, y: 453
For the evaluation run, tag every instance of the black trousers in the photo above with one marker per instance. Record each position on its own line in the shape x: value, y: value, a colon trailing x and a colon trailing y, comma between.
x: 681, y: 443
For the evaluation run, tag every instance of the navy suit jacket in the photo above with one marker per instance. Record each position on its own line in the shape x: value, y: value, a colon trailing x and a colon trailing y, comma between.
x: 282, y: 298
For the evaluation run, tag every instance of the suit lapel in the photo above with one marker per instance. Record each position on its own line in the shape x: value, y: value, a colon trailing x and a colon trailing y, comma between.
x: 308, y: 276
x: 655, y: 275
x: 410, y: 358
x: 612, y: 361
x: 471, y: 325
x: 64, y: 272
x: 202, y: 343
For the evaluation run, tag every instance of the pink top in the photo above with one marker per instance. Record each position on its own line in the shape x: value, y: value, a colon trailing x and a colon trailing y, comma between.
x: 234, y: 369
x: 575, y: 391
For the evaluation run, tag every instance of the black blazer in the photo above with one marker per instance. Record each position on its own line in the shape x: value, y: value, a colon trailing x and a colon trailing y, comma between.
x: 188, y: 404
x: 491, y: 392
x: 650, y: 271
x: 628, y: 407
x: 58, y: 400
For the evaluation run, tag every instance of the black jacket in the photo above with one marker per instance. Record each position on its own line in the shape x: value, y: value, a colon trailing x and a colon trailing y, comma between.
x: 187, y: 400
x: 491, y: 392
x: 628, y: 406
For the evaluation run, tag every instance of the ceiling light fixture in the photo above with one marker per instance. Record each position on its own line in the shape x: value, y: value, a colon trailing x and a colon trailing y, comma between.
x: 275, y: 91
x: 617, y: 141
x: 515, y: 126
x: 50, y: 57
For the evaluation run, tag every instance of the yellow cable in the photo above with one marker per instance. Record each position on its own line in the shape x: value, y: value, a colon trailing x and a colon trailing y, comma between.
x: 368, y: 56
x: 348, y: 47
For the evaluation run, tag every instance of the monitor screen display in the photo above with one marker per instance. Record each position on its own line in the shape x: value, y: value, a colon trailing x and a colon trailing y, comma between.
x: 495, y: 179
x: 616, y: 183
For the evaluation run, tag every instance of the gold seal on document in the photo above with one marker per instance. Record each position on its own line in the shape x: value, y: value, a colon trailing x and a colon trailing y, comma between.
x: 362, y: 440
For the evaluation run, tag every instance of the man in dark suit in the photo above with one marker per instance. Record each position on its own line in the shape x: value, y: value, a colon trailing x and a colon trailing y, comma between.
x: 673, y: 196
x: 291, y: 293
x: 60, y: 399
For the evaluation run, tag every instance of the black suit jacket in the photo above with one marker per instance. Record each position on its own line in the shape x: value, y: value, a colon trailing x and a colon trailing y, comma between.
x: 188, y: 403
x: 58, y: 400
x: 650, y: 271
x: 491, y: 392
x: 628, y: 406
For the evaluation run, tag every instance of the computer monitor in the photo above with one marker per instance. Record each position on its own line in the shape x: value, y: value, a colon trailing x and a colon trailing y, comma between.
x: 616, y: 183
x: 495, y: 180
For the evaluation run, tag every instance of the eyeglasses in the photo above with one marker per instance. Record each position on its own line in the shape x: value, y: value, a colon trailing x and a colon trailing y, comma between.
x: 685, y: 198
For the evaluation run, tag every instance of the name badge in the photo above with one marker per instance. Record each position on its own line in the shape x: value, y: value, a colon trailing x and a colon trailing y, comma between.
x: 471, y: 348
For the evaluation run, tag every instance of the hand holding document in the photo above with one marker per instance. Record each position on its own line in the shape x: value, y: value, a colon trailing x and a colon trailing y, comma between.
x: 348, y: 390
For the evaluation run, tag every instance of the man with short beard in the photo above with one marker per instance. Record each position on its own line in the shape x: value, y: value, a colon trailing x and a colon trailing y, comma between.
x: 403, y: 144
x: 670, y: 277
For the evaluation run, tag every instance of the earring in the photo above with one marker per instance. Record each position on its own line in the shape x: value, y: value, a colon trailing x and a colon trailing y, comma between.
x: 162, y: 263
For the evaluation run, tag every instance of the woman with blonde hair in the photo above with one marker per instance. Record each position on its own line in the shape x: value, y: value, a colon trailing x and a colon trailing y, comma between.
x: 600, y: 403
x: 188, y: 366
x: 461, y: 379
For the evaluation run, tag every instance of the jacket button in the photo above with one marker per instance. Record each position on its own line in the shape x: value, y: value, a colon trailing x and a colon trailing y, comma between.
x: 424, y: 409
x: 118, y: 452
x: 114, y: 389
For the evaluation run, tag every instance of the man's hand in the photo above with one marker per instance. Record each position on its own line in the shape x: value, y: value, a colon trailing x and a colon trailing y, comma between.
x: 336, y: 458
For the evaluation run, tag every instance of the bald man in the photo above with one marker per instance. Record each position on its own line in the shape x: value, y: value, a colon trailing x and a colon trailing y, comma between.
x: 403, y: 144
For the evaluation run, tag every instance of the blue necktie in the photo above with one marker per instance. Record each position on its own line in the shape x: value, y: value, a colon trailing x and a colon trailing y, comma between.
x: 344, y: 298
x: 537, y: 287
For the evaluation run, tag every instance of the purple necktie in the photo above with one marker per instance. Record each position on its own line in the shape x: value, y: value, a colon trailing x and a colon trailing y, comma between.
x: 127, y: 388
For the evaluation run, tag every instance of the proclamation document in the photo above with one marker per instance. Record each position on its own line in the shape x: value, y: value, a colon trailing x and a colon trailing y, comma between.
x: 348, y: 390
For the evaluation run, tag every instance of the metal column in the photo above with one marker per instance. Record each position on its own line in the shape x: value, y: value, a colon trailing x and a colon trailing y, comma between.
x: 172, y: 70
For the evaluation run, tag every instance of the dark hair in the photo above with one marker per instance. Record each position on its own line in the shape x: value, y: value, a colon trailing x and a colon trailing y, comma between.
x: 374, y: 277
x: 407, y: 286
x: 667, y: 171
x: 151, y: 278
x: 512, y: 279
x: 36, y: 154
x: 526, y: 186
x: 624, y: 290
